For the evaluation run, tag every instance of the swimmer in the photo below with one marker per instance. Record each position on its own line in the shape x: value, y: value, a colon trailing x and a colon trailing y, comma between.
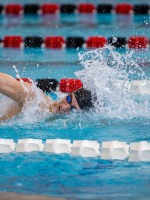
x: 23, y: 93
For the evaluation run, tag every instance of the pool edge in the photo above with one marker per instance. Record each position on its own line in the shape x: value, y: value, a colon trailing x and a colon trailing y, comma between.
x: 18, y: 196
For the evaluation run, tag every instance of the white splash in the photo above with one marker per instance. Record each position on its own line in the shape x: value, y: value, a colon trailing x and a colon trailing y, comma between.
x: 107, y: 73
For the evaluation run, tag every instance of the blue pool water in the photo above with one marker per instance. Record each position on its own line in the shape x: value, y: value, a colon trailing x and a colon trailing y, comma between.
x: 121, y: 118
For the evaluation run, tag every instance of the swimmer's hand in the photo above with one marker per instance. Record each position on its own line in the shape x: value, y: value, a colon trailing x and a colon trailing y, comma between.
x: 54, y: 108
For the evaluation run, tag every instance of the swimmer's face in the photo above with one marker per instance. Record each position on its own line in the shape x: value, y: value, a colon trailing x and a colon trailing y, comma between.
x: 68, y: 103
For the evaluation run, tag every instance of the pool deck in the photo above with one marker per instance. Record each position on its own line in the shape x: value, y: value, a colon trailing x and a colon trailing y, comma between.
x: 16, y: 196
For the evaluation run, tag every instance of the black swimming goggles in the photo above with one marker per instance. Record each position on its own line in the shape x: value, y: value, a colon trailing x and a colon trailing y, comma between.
x: 69, y: 101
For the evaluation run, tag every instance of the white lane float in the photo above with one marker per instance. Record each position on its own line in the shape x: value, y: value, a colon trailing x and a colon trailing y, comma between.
x: 139, y: 151
x: 114, y: 150
x: 139, y: 87
x: 29, y: 145
x: 58, y: 146
x: 85, y: 148
x: 7, y: 145
x: 109, y: 150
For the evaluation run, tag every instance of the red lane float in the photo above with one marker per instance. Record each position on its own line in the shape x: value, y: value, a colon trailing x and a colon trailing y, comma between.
x: 13, y: 9
x: 12, y: 41
x: 52, y: 8
x: 86, y: 8
x: 54, y: 42
x: 70, y: 85
x: 124, y: 9
x: 138, y: 42
x: 58, y: 42
x: 49, y: 8
x: 26, y: 80
x: 96, y: 42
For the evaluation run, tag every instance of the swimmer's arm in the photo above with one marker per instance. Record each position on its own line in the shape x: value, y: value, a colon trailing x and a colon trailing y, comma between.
x: 13, y: 89
x: 11, y: 112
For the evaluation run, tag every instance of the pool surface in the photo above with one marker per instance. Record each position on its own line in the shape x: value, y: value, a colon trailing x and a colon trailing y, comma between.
x: 119, y: 115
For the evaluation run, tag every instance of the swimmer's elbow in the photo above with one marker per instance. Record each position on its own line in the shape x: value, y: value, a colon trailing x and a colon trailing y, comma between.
x: 4, y: 81
x: 3, y: 77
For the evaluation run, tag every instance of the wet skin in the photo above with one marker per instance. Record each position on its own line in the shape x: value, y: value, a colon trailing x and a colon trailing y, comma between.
x: 22, y: 93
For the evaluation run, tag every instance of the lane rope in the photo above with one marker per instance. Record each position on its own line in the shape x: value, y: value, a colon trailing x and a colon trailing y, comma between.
x: 82, y: 8
x: 68, y: 85
x: 107, y: 150
x: 59, y: 42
